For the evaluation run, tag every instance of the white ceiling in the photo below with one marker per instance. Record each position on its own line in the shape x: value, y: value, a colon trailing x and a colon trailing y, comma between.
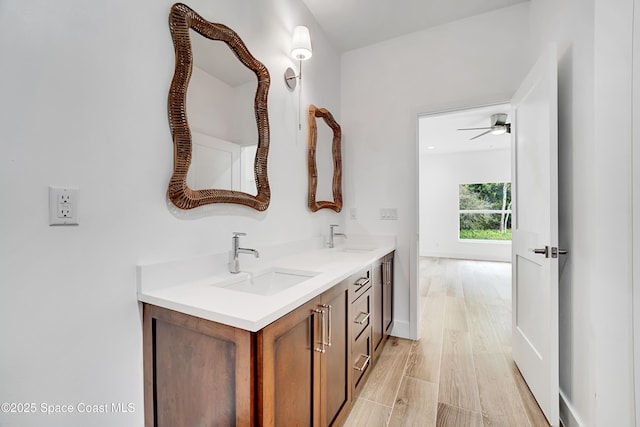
x: 440, y: 131
x: 351, y: 24
x: 217, y: 59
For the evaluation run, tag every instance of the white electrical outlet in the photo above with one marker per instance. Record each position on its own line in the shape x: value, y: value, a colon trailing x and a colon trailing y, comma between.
x: 353, y: 213
x: 63, y: 206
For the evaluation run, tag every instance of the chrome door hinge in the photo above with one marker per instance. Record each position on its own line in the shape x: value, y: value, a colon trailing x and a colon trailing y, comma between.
x: 555, y: 252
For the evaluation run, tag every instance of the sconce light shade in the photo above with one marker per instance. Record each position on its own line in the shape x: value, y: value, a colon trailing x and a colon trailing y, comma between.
x: 301, y: 44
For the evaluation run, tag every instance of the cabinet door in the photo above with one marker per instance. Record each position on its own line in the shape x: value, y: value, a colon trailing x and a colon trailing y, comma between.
x: 387, y: 294
x: 196, y: 372
x: 289, y: 365
x: 377, y: 329
x: 335, y: 372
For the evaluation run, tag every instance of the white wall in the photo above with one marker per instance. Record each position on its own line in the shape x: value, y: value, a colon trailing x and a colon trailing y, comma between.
x: 84, y: 103
x: 440, y: 176
x: 612, y: 305
x: 596, y: 360
x: 471, y: 62
x: 208, y: 106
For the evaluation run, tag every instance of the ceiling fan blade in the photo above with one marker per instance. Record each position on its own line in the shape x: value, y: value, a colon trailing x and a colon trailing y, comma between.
x: 482, y: 134
x: 477, y: 128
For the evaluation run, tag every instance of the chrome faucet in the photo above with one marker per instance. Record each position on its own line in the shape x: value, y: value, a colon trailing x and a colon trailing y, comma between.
x: 332, y: 234
x: 234, y: 264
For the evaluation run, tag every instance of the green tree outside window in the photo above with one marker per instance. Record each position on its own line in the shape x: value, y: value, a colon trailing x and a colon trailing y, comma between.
x: 485, y: 211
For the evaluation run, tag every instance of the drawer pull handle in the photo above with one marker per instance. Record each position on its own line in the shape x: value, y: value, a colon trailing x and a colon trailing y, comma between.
x: 362, y: 318
x: 361, y: 282
x: 364, y: 364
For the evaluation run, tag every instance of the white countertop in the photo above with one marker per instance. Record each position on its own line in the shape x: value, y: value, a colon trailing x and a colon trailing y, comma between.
x: 187, y: 285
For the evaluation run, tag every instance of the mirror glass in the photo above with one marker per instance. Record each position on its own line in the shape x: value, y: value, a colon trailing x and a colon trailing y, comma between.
x: 218, y: 116
x: 221, y: 118
x: 324, y: 161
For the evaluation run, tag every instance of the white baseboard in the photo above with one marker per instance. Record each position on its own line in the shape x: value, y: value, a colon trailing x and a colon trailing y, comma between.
x: 568, y: 415
x: 401, y: 330
x: 474, y: 257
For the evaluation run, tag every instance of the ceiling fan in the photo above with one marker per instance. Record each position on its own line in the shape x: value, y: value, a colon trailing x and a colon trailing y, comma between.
x: 498, y: 126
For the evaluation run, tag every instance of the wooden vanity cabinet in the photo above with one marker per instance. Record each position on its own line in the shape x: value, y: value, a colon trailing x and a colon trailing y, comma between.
x: 295, y: 371
x: 383, y: 302
x: 301, y: 370
x: 305, y: 380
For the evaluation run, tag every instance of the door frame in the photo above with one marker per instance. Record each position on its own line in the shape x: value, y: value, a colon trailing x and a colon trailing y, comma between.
x: 414, y: 246
x: 635, y: 206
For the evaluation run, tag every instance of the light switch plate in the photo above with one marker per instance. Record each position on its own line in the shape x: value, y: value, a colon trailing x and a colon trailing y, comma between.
x: 389, y: 214
x: 63, y: 206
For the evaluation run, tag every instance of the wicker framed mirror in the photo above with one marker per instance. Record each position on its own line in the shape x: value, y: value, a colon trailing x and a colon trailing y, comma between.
x: 314, y: 160
x: 185, y: 23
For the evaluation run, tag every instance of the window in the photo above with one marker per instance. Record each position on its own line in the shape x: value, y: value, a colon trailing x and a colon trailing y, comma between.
x: 485, y: 211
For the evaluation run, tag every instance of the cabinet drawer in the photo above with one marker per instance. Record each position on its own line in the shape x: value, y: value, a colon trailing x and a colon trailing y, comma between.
x: 361, y: 314
x: 361, y: 357
x: 359, y: 283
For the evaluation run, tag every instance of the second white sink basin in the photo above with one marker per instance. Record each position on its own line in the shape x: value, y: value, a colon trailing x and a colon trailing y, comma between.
x: 266, y: 282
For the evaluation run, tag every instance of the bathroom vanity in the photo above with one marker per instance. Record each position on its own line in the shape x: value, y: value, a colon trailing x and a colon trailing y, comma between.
x: 293, y: 356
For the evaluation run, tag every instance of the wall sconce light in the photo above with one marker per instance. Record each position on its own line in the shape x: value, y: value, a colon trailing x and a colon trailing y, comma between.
x: 300, y: 50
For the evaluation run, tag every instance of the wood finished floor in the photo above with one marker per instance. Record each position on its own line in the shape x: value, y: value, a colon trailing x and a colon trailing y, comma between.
x: 460, y: 373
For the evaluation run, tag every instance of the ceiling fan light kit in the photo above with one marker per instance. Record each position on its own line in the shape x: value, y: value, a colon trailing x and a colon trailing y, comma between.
x: 499, y: 130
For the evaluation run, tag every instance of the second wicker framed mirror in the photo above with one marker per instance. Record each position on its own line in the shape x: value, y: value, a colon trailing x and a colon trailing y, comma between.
x: 314, y: 161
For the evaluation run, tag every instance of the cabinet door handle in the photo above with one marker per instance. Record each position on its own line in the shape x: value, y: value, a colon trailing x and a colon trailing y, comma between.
x: 328, y: 307
x: 361, y: 282
x: 364, y: 364
x: 362, y: 318
x: 387, y: 272
x: 323, y: 332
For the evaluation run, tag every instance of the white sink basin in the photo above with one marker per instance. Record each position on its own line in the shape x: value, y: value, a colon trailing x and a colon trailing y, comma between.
x: 266, y: 282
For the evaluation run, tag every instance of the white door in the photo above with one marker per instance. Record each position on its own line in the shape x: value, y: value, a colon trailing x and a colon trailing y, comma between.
x: 535, y: 232
x: 215, y: 163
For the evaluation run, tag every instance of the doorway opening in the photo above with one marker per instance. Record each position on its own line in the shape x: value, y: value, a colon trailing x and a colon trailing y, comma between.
x: 464, y: 263
x: 464, y: 208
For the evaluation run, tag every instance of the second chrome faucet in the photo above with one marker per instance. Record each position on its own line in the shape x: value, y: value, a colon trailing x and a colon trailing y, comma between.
x: 234, y: 264
x: 333, y: 234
